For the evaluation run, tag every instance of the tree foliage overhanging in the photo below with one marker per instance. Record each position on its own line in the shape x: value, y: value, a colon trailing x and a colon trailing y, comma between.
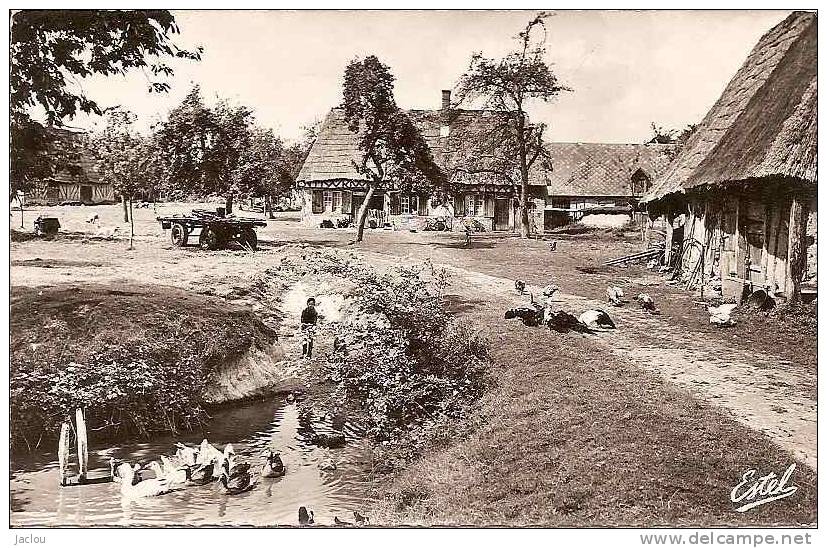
x: 51, y: 51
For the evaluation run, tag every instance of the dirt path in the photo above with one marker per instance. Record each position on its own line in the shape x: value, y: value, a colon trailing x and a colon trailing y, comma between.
x: 757, y: 389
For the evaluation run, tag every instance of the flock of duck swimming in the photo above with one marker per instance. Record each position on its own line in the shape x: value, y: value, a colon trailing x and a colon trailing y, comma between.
x: 194, y: 466
x: 201, y: 465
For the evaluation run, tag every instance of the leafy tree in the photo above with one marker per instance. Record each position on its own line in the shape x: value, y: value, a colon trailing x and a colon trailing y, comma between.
x: 51, y: 50
x: 202, y: 147
x: 393, y: 152
x: 125, y: 160
x: 264, y: 167
x: 513, y: 144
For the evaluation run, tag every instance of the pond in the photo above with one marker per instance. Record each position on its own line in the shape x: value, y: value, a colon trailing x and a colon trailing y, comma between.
x: 38, y: 500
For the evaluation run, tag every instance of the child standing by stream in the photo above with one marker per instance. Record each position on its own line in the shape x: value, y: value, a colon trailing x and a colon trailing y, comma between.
x: 309, y: 319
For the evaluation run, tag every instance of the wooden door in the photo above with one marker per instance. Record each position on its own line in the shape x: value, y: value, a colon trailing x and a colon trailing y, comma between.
x: 501, y: 213
x: 751, y: 241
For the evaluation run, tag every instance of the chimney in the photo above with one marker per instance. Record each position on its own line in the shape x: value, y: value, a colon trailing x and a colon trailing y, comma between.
x: 446, y: 99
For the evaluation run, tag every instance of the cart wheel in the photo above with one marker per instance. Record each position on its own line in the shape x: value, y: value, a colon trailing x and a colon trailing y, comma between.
x: 209, y: 239
x: 179, y: 235
x: 248, y: 238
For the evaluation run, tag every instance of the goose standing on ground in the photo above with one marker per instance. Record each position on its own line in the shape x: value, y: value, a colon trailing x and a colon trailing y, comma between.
x: 146, y: 488
x: 549, y: 291
x: 615, y: 295
x: 646, y: 302
x: 596, y: 318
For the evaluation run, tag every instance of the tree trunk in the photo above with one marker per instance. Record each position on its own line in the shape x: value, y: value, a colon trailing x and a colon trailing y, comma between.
x: 525, y: 227
x: 268, y: 204
x: 125, y: 209
x: 363, y: 213
x: 21, y: 214
x: 131, y: 225
x: 228, y: 206
x: 796, y: 249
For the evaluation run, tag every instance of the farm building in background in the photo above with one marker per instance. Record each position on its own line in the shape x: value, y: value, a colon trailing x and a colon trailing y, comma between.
x: 332, y: 188
x: 78, y: 183
x: 740, y: 198
x: 594, y: 178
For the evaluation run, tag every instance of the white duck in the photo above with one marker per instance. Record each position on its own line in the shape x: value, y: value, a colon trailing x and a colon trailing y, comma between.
x: 173, y: 470
x: 207, y: 453
x: 147, y: 488
x: 720, y: 315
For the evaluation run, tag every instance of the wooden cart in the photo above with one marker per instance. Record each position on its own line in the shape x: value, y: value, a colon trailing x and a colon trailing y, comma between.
x: 214, y: 230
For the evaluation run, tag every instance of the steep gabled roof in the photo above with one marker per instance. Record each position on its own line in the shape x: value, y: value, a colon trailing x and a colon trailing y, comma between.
x: 332, y: 156
x: 604, y: 169
x: 84, y: 170
x: 765, y: 122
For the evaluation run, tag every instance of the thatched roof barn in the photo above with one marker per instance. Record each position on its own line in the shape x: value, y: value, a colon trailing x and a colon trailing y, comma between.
x: 747, y: 176
x: 765, y: 122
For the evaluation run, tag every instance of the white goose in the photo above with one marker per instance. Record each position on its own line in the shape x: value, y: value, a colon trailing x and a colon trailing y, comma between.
x: 147, y: 488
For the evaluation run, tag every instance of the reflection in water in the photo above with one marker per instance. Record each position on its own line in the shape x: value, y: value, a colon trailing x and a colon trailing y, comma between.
x: 37, y: 499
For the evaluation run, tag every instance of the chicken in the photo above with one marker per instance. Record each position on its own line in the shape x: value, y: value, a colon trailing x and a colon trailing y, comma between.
x: 550, y: 290
x: 646, y: 302
x: 720, y: 315
x: 615, y: 295
x: 519, y: 285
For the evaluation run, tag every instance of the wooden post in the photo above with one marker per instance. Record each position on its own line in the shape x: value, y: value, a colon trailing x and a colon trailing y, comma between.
x: 63, y: 453
x: 83, y: 446
x: 796, y: 248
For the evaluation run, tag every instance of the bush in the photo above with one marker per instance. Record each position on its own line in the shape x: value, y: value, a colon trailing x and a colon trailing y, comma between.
x: 401, y: 358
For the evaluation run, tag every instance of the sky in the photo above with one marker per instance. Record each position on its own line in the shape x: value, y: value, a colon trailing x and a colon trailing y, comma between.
x: 626, y: 69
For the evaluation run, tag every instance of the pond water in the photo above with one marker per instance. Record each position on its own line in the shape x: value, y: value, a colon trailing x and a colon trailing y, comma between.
x: 38, y: 500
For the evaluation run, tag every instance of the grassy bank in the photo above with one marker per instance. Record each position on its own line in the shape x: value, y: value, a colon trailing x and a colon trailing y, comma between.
x: 135, y: 357
x: 573, y: 436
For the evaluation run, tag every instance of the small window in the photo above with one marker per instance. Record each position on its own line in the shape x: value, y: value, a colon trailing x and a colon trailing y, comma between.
x: 337, y: 201
x: 328, y: 200
x: 475, y: 205
x: 409, y: 204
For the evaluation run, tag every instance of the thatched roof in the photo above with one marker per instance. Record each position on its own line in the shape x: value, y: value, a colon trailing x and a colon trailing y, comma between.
x: 85, y: 169
x: 765, y: 122
x: 604, y: 169
x: 332, y: 156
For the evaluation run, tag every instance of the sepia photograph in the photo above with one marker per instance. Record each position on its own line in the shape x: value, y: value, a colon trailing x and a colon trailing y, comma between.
x: 383, y: 269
